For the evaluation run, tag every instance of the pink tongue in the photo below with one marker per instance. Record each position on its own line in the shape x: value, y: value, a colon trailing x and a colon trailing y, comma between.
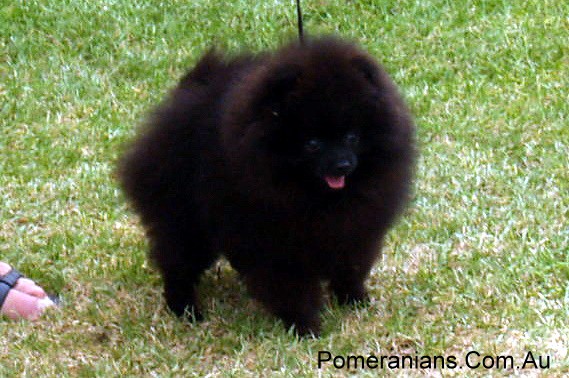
x: 335, y: 182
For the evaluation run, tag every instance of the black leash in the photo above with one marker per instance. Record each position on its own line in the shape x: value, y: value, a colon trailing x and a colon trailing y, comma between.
x: 299, y: 20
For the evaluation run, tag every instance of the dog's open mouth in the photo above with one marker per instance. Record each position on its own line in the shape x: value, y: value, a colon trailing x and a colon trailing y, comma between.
x: 335, y: 182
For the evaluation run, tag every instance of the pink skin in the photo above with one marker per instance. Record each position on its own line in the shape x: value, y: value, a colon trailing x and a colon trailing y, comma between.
x: 26, y: 300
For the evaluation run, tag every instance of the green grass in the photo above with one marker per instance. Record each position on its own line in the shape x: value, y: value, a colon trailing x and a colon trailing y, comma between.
x: 479, y: 261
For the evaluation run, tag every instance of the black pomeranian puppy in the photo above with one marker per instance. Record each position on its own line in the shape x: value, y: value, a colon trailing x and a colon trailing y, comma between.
x: 292, y: 164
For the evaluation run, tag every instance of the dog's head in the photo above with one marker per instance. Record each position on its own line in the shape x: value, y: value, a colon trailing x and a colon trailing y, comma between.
x: 316, y: 113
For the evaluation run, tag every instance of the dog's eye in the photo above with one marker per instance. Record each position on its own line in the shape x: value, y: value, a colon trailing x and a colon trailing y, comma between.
x: 312, y: 145
x: 352, y: 139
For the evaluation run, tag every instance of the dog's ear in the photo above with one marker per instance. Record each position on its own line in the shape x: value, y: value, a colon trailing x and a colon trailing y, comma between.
x: 279, y: 82
x: 367, y: 68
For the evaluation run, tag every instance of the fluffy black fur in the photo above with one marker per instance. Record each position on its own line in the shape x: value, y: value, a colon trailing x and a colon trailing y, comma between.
x: 292, y: 164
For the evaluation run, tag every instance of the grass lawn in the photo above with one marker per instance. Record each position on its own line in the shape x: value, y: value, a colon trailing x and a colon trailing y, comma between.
x: 479, y: 263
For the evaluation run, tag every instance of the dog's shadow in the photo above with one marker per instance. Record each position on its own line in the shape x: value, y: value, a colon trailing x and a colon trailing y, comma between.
x: 226, y: 303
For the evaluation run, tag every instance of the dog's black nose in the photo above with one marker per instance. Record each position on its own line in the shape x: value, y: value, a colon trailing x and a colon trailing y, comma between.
x: 343, y: 167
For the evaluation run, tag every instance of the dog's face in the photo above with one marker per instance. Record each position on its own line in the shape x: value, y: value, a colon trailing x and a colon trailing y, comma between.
x: 322, y: 121
x: 323, y: 161
x: 320, y: 145
x: 333, y: 160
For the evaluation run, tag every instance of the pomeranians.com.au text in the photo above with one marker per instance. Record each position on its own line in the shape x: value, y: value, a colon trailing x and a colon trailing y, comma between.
x: 470, y: 361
